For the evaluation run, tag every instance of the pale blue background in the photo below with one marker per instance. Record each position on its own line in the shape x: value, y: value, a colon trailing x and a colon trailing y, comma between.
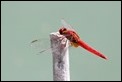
x: 97, y: 23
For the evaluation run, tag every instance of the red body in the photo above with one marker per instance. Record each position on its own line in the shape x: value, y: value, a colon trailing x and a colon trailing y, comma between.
x: 75, y: 40
x: 90, y: 49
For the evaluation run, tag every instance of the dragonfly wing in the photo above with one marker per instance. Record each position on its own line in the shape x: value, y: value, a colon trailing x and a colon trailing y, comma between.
x: 66, y: 25
x: 41, y: 45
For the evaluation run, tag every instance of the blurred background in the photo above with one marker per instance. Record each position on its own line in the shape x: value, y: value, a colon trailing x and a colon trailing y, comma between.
x: 97, y: 23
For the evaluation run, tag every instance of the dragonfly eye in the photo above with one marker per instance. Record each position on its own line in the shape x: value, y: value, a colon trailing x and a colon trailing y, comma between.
x: 62, y: 30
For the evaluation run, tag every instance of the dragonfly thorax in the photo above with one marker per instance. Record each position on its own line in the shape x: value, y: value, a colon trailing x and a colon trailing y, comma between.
x: 68, y: 34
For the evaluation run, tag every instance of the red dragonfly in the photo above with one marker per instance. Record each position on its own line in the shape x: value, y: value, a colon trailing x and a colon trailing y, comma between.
x: 76, y: 41
x: 67, y: 31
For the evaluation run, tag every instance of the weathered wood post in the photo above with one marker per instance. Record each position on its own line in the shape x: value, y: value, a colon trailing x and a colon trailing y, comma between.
x: 60, y: 53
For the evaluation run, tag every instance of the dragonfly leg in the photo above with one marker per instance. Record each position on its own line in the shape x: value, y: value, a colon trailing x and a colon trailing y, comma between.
x: 74, y: 44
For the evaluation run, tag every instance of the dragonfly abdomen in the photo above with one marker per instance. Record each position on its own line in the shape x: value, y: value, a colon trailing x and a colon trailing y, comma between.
x: 90, y: 49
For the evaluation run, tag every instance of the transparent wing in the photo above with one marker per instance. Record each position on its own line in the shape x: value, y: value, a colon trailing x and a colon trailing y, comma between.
x: 41, y: 45
x: 66, y: 25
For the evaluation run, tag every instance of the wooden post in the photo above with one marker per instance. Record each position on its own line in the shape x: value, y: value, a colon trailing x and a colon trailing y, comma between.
x: 60, y: 52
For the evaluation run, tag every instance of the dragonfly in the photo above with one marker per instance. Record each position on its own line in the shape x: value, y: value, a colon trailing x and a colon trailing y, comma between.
x: 74, y: 39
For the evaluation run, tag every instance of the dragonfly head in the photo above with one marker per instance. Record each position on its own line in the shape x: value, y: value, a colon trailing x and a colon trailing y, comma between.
x: 62, y: 31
